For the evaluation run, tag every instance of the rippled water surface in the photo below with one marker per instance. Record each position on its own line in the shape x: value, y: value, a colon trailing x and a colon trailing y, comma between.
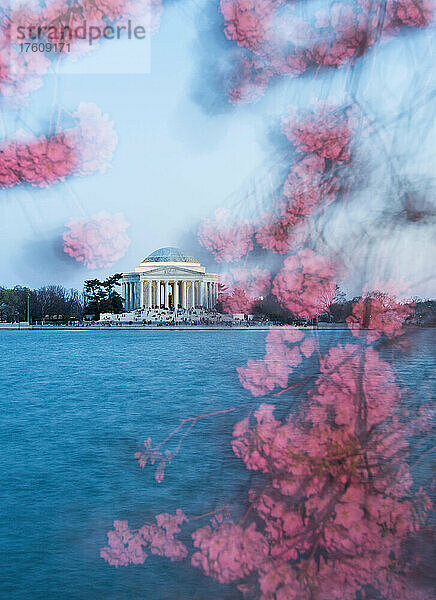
x: 75, y: 406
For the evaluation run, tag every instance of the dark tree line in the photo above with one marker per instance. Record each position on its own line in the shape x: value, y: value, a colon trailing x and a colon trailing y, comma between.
x: 48, y: 303
x: 54, y: 303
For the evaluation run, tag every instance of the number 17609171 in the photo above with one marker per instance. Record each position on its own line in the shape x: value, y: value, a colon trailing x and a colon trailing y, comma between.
x: 45, y: 47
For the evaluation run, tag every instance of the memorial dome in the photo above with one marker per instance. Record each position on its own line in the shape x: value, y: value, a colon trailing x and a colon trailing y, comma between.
x: 169, y: 254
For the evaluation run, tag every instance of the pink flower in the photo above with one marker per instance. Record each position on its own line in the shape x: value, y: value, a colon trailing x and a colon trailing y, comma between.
x: 237, y: 302
x: 41, y: 162
x: 287, y: 43
x: 306, y: 284
x: 326, y: 134
x: 97, y: 241
x: 228, y: 552
x: 381, y: 314
x: 95, y: 138
x: 247, y: 21
x: 47, y: 160
x: 126, y: 546
x: 225, y: 239
x: 262, y: 376
x: 279, y: 233
x: 246, y: 285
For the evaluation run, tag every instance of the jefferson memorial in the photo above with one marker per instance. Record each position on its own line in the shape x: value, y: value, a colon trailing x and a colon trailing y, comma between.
x: 170, y: 279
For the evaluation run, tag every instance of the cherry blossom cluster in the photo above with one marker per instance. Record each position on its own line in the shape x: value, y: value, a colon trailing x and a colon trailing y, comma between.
x: 281, y: 40
x: 243, y: 288
x: 56, y: 21
x: 283, y: 354
x: 323, y: 141
x: 248, y: 22
x: 337, y: 501
x: 154, y: 455
x: 381, y: 314
x: 41, y: 162
x: 80, y: 150
x: 339, y: 487
x: 97, y: 241
x: 326, y: 134
x: 225, y: 239
x: 127, y: 546
x: 306, y: 285
x: 306, y: 282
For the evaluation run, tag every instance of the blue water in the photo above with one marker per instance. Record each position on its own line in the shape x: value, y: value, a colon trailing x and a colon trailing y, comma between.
x: 75, y: 406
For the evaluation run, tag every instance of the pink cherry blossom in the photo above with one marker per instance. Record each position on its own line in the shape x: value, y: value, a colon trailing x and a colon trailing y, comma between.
x: 381, y: 314
x: 336, y: 501
x: 227, y: 240
x: 126, y: 546
x: 97, y: 241
x: 306, y: 284
x: 244, y: 288
x: 43, y: 161
x: 333, y: 38
x: 247, y: 21
x: 228, y: 552
x: 281, y: 233
x: 320, y: 459
x: 283, y: 355
x: 40, y: 162
x: 326, y: 134
x: 95, y: 136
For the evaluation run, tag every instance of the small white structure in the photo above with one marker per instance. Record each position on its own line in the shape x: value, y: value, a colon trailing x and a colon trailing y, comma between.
x: 169, y: 279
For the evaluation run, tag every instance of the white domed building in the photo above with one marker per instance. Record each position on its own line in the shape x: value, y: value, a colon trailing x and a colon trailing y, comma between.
x: 169, y: 279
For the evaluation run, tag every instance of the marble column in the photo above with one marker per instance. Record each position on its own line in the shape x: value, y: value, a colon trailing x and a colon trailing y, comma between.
x: 158, y: 282
x: 176, y: 294
x: 184, y: 304
x: 166, y: 294
x: 192, y: 294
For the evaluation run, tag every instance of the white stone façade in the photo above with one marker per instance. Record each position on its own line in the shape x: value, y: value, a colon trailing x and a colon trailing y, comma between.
x: 169, y: 279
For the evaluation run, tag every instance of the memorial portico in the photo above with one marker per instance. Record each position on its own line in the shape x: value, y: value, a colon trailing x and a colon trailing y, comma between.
x: 168, y: 278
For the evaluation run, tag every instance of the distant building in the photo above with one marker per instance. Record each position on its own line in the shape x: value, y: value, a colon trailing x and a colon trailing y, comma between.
x: 168, y: 278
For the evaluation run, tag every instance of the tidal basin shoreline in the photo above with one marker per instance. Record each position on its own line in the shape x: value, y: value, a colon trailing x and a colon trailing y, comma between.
x: 16, y: 327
